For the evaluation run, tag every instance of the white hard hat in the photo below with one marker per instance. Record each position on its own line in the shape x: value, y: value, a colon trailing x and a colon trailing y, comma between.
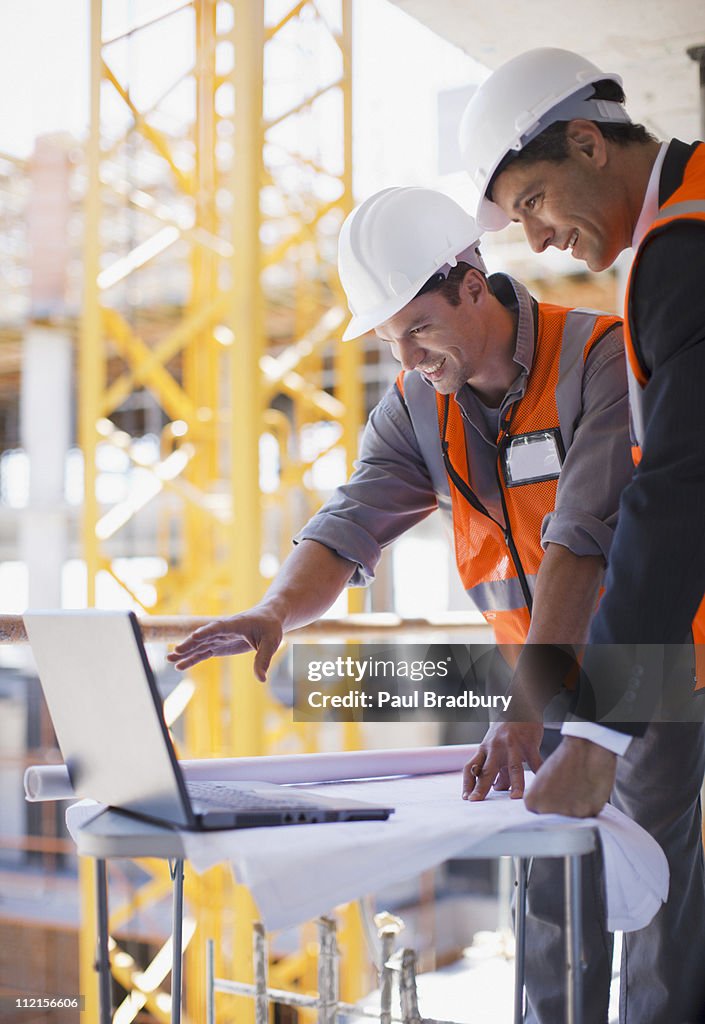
x: 516, y: 103
x: 391, y: 244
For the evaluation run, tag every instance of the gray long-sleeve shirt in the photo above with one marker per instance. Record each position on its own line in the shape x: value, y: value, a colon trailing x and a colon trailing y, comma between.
x: 391, y: 488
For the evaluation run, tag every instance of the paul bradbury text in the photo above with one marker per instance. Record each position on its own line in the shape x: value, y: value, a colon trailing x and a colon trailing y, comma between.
x: 416, y: 699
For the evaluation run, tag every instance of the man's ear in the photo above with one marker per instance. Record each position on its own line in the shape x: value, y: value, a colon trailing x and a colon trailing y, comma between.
x: 474, y: 284
x: 585, y: 139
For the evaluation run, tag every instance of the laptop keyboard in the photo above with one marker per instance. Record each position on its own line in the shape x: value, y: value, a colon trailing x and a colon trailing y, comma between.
x: 215, y: 795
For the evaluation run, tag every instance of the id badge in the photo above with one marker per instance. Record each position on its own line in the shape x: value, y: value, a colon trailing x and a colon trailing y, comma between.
x: 529, y: 458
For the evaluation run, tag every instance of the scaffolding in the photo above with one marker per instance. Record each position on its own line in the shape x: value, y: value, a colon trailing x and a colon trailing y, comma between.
x: 215, y: 189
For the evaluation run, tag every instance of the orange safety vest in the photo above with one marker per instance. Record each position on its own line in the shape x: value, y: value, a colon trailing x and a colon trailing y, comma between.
x: 498, y: 564
x: 687, y: 203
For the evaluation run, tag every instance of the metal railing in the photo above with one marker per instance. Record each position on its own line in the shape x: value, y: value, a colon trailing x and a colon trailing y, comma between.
x: 362, y: 626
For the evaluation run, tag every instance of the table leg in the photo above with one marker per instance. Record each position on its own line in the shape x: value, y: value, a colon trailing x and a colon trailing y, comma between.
x: 573, y: 938
x: 103, y: 957
x: 520, y: 939
x: 328, y: 968
x: 261, y: 958
x: 210, y: 982
x: 177, y: 875
x: 386, y: 978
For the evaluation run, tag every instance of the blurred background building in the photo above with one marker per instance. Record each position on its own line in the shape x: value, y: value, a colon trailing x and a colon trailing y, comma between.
x: 174, y: 401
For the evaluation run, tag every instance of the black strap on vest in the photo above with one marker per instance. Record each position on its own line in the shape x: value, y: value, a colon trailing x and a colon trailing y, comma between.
x: 464, y: 488
x: 462, y: 485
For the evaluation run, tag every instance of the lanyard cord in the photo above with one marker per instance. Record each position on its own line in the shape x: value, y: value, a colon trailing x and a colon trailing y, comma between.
x: 464, y: 488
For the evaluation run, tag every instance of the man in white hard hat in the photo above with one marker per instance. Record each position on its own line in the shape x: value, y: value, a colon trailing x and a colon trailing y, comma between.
x: 549, y: 144
x: 505, y: 414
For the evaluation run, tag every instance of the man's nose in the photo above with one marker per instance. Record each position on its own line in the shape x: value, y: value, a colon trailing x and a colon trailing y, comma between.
x: 408, y: 353
x: 538, y: 235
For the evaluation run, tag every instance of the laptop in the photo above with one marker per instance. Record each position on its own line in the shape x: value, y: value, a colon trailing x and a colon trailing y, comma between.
x: 107, y: 714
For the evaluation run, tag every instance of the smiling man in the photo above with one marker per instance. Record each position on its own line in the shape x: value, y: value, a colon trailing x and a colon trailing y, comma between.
x: 505, y: 414
x: 550, y: 145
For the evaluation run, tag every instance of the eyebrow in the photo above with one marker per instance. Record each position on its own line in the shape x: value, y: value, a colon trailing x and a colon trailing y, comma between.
x: 421, y: 321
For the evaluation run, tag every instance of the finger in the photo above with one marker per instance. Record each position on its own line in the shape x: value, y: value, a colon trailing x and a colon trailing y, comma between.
x: 470, y: 773
x: 533, y: 802
x: 502, y: 782
x: 266, y: 650
x: 554, y: 801
x: 515, y: 771
x: 187, y: 648
x: 200, y: 636
x: 217, y: 648
x: 192, y: 660
x: 534, y: 759
x: 484, y: 780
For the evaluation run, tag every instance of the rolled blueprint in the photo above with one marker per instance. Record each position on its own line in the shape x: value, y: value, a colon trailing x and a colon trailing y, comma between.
x: 51, y: 782
x: 48, y: 782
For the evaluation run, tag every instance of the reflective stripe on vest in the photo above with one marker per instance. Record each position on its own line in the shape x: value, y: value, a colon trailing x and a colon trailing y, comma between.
x: 500, y: 595
x: 687, y: 203
x: 552, y: 400
x: 637, y: 375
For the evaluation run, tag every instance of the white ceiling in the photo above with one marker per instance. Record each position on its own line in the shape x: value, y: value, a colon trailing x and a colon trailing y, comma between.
x: 645, y: 41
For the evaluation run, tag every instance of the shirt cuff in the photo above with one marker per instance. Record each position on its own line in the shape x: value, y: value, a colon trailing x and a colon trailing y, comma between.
x: 580, y: 532
x: 610, y: 739
x: 346, y: 539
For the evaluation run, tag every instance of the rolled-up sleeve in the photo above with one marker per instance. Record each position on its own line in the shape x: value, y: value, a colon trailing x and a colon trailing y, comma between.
x: 598, y: 464
x: 389, y: 492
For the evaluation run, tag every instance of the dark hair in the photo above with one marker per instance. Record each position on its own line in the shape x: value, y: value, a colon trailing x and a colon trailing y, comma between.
x: 449, y: 287
x: 552, y: 143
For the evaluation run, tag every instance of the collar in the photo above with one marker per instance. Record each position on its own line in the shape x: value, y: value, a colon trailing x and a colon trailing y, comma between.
x: 515, y: 297
x: 674, y: 167
x: 649, y: 209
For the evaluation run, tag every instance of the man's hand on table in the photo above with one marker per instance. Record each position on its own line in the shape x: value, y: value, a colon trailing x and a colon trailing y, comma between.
x: 575, y: 780
x: 499, y: 760
x: 257, y: 630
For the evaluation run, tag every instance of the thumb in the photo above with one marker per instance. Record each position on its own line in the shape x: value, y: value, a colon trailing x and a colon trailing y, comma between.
x: 266, y: 650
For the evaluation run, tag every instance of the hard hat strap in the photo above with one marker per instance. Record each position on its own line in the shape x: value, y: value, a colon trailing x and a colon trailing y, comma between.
x: 581, y: 104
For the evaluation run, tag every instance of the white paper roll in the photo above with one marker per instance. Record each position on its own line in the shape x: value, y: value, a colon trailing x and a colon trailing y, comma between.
x: 331, y: 767
x: 48, y: 782
x: 51, y: 782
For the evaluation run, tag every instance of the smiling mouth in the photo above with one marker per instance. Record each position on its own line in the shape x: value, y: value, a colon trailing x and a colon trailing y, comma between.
x: 573, y: 240
x: 433, y: 372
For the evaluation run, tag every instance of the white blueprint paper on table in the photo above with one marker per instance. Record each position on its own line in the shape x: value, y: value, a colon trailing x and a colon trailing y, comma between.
x: 52, y: 782
x: 298, y: 872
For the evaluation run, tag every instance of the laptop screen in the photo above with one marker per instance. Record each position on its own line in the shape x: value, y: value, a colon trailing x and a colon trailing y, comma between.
x: 106, y: 710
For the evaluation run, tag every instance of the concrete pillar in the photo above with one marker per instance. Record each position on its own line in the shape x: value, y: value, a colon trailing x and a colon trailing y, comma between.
x: 45, y: 403
x: 45, y: 410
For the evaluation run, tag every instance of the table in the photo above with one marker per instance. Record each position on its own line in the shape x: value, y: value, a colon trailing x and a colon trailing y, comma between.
x: 112, y: 834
